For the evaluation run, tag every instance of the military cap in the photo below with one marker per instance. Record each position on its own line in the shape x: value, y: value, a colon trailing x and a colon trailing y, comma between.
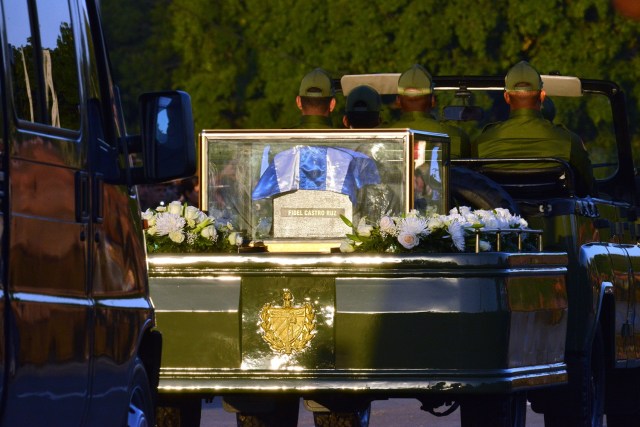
x: 316, y: 84
x: 416, y: 81
x: 363, y: 98
x: 522, y: 77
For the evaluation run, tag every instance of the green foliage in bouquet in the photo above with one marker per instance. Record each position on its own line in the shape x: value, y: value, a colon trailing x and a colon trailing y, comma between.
x: 178, y: 227
x: 434, y: 233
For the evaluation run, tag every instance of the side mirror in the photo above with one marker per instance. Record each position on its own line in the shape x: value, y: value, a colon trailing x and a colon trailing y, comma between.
x: 168, y: 143
x: 462, y: 113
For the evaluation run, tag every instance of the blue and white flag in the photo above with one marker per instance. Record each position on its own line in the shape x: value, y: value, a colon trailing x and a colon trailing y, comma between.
x: 317, y: 168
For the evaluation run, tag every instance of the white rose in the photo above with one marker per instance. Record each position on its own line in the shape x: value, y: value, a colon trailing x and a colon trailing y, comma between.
x: 177, y: 236
x: 346, y: 247
x: 408, y: 240
x: 209, y: 232
x: 235, y: 238
x: 488, y: 219
x: 150, y: 217
x: 472, y: 219
x: 191, y: 214
x: 175, y: 208
x: 364, y: 229
x: 148, y: 214
x: 485, y: 246
x: 435, y: 222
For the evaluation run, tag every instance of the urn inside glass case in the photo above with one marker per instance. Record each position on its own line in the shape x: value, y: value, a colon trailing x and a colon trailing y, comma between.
x: 293, y: 189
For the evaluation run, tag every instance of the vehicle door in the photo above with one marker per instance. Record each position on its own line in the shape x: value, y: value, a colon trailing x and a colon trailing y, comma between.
x: 634, y: 283
x: 50, y: 223
x: 117, y: 268
x: 3, y: 217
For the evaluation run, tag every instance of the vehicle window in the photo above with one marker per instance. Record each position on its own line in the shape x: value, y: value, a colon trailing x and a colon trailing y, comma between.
x: 25, y: 83
x: 44, y: 64
x: 590, y: 117
x: 59, y: 64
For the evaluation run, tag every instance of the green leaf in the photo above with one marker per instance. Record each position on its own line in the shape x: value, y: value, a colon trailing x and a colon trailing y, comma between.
x: 354, y: 237
x: 346, y: 221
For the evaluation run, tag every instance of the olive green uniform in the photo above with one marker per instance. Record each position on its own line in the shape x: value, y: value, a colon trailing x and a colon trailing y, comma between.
x: 314, y: 122
x: 527, y: 134
x: 419, y: 120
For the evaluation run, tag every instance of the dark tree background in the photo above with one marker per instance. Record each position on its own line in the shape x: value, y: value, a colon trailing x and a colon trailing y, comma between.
x: 242, y: 60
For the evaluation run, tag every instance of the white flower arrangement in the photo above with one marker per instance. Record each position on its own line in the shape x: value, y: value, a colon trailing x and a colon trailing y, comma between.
x: 413, y: 232
x: 178, y: 227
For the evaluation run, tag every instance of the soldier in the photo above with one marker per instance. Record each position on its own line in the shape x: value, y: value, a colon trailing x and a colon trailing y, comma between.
x: 362, y: 109
x: 416, y: 100
x: 316, y: 100
x: 528, y: 134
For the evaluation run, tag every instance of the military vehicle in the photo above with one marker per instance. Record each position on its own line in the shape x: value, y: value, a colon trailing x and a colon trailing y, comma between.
x: 288, y: 316
x: 78, y: 345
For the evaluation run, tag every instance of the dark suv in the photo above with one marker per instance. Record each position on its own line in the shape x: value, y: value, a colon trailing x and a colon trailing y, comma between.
x: 78, y: 345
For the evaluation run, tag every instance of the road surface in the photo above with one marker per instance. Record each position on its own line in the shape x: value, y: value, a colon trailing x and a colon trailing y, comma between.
x: 384, y: 413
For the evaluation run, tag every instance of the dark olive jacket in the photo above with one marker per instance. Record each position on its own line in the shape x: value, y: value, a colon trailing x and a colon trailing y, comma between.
x: 314, y: 122
x: 527, y: 134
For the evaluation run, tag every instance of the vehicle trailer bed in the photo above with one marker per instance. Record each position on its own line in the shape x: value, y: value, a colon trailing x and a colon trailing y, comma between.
x: 379, y: 326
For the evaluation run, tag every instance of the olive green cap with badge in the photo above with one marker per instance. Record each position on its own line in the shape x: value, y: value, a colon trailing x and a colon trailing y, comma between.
x: 416, y: 81
x: 363, y: 98
x: 522, y: 77
x: 316, y: 84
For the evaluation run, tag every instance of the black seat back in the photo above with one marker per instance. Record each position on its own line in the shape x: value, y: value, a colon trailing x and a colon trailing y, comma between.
x: 537, y: 182
x: 532, y: 183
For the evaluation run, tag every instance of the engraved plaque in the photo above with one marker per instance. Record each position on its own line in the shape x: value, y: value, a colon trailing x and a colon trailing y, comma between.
x: 311, y: 214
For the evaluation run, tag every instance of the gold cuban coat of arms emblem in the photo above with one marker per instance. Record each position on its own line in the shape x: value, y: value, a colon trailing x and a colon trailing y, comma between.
x: 287, y: 328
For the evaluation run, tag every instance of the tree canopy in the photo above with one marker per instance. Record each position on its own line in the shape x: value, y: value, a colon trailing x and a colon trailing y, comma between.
x: 242, y: 60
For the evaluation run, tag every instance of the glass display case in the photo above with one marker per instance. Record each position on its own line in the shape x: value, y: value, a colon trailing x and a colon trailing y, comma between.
x: 291, y: 189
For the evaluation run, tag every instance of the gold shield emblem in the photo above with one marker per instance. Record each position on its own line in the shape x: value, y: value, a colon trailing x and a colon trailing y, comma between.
x: 287, y: 328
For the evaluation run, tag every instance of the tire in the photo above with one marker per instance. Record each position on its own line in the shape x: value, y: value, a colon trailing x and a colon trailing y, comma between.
x: 494, y: 411
x: 141, y: 405
x: 285, y: 414
x: 623, y: 397
x: 471, y: 188
x: 623, y: 420
x: 342, y: 419
x: 180, y: 412
x: 586, y: 382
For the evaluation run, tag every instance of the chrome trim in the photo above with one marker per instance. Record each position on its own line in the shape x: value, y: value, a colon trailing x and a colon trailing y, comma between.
x: 50, y: 299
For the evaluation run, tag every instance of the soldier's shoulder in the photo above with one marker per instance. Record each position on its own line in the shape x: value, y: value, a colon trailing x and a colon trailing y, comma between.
x: 490, y: 126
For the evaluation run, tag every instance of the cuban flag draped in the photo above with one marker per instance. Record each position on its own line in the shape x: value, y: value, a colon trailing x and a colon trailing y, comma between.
x: 317, y: 168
